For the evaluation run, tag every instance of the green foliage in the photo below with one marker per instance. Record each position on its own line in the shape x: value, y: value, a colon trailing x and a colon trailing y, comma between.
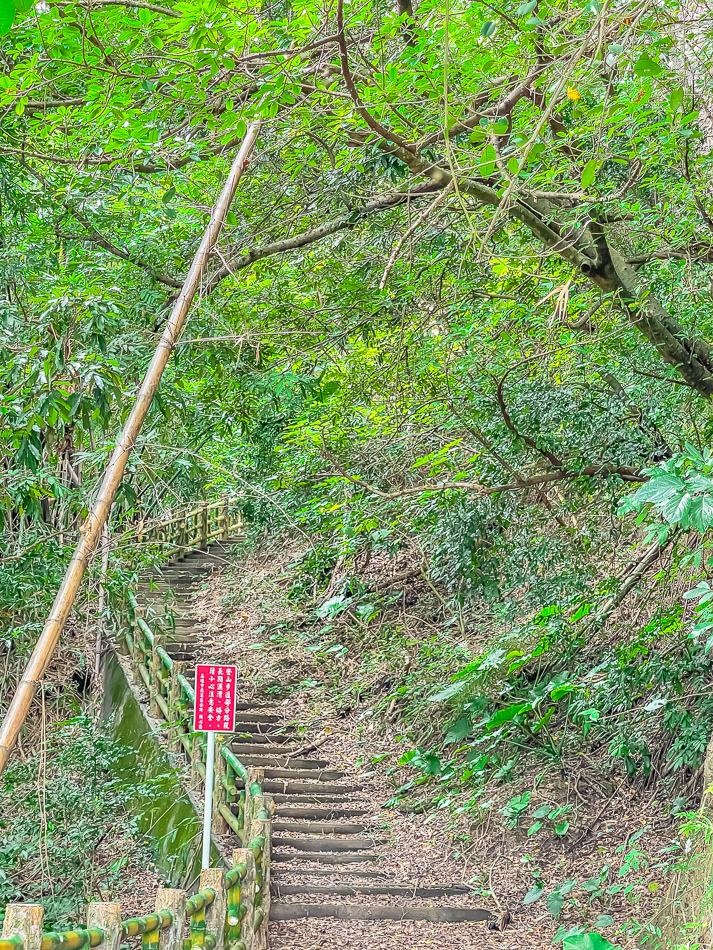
x: 680, y: 490
x: 587, y: 942
x: 461, y: 395
x: 58, y: 807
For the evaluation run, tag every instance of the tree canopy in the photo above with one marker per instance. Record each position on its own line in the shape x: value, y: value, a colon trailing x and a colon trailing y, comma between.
x: 461, y: 306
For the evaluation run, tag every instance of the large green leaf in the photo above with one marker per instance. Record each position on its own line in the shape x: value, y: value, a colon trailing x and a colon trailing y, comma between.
x: 452, y: 690
x: 645, y: 66
x: 555, y: 903
x: 700, y: 512
x: 534, y: 894
x: 588, y: 942
x: 676, y: 509
x: 7, y: 16
x: 659, y: 489
x: 506, y: 715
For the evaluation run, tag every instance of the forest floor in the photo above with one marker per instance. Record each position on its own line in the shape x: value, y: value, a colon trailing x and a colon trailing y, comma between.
x: 617, y: 832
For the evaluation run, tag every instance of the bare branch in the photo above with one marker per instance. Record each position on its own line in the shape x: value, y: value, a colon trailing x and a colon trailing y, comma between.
x: 390, y: 200
x: 589, y: 471
x: 361, y: 109
x: 414, y: 227
x: 130, y: 4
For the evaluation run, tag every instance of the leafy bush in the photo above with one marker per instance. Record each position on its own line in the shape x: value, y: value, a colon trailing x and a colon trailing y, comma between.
x: 58, y: 807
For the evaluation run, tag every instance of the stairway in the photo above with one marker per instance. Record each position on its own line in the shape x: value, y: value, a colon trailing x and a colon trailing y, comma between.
x: 329, y: 849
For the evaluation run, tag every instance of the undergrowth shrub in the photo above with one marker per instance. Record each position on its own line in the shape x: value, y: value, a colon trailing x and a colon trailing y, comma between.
x: 58, y: 807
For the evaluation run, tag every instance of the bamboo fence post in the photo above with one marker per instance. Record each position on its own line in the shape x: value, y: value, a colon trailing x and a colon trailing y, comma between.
x: 262, y: 828
x: 226, y: 520
x: 196, y: 927
x: 246, y: 898
x: 220, y: 825
x: 204, y: 527
x: 102, y: 595
x: 92, y: 527
x: 155, y: 687
x: 25, y: 921
x: 216, y: 912
x: 168, y: 898
x: 196, y: 760
x: 255, y: 777
x: 106, y: 917
x: 175, y: 706
x: 138, y: 656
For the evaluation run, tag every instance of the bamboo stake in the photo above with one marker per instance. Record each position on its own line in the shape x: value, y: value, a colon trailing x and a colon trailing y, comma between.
x: 100, y: 607
x: 92, y: 527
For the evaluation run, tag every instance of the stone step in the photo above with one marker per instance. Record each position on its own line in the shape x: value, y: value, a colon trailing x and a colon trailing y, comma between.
x: 345, y: 874
x: 312, y: 775
x: 281, y: 762
x: 284, y: 910
x: 321, y: 789
x: 182, y: 656
x: 327, y: 813
x: 354, y: 889
x: 245, y: 714
x: 193, y: 568
x: 262, y: 728
x: 324, y: 857
x: 258, y: 746
x: 322, y: 843
x: 276, y: 739
x: 319, y: 827
x: 295, y: 799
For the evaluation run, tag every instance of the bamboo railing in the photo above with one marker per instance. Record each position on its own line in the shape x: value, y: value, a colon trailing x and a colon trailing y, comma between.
x: 221, y: 916
x: 99, y: 512
x: 192, y: 526
x: 246, y: 811
x: 231, y: 909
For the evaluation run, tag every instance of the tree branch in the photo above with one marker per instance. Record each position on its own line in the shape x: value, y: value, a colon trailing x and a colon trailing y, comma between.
x: 361, y: 109
x: 130, y: 4
x: 692, y: 358
x: 98, y: 238
x: 602, y: 264
x: 390, y: 200
x: 589, y: 471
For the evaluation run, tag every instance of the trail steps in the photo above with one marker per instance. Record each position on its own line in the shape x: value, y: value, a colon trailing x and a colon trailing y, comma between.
x: 324, y: 830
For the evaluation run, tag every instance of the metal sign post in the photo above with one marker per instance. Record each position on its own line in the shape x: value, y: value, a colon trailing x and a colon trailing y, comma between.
x: 214, y: 711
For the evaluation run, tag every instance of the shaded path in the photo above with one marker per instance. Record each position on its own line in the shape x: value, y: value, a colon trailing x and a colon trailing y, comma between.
x: 340, y: 870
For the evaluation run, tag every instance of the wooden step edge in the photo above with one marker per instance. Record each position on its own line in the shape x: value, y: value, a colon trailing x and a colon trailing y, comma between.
x: 306, y: 775
x: 324, y: 857
x: 278, y: 762
x: 355, y: 889
x: 319, y: 827
x: 280, y: 910
x: 321, y: 843
x: 343, y: 874
x: 316, y: 812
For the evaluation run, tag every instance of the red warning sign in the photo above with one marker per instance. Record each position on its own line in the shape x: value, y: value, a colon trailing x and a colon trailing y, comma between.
x: 215, y: 698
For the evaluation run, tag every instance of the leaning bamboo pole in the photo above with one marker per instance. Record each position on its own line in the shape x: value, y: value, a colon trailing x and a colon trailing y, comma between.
x: 92, y: 527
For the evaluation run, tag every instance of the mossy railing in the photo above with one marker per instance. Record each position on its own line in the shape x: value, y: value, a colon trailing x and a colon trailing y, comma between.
x: 221, y: 916
x: 246, y: 811
x: 231, y: 909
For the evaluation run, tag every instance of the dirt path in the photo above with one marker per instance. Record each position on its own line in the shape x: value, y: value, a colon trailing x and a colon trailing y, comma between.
x: 243, y: 613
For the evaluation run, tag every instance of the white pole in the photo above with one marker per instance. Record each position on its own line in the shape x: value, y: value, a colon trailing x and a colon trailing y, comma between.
x: 208, y: 804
